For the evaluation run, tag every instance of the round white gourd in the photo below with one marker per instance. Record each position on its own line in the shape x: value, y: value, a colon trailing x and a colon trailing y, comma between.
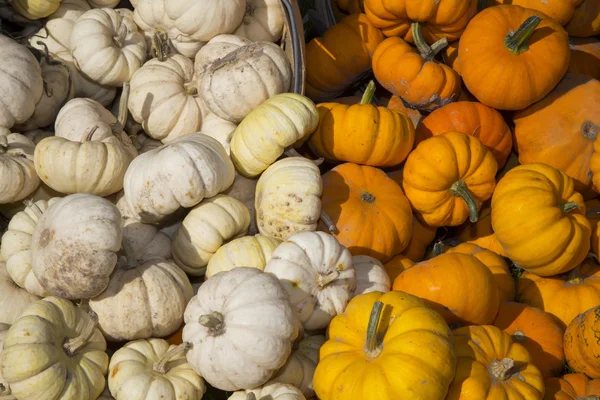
x: 288, y: 198
x: 5, y: 392
x: 240, y: 335
x: 218, y: 128
x: 207, y: 227
x: 74, y: 246
x: 236, y: 84
x: 248, y: 251
x: 13, y: 299
x: 263, y: 21
x: 65, y: 352
x: 79, y: 116
x: 216, y: 48
x: 153, y: 369
x: 178, y: 174
x: 270, y: 391
x: 244, y: 189
x: 18, y: 178
x: 279, y: 122
x: 370, y: 275
x: 107, y: 46
x: 317, y: 272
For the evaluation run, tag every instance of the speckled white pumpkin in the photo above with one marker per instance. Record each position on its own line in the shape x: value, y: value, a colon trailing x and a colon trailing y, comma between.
x: 79, y: 116
x: 263, y: 20
x: 13, y: 299
x: 370, y: 275
x: 216, y: 48
x: 270, y: 391
x: 18, y: 178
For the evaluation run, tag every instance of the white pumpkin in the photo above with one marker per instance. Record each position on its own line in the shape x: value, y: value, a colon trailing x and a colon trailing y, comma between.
x: 216, y: 48
x: 107, y: 46
x: 248, y: 251
x: 18, y: 178
x: 370, y: 275
x: 43, y: 192
x: 21, y: 83
x: 164, y: 98
x: 36, y: 135
x: 79, y: 116
x: 218, y: 128
x: 65, y: 352
x: 288, y: 198
x: 317, y: 272
x: 103, y: 3
x: 153, y: 369
x: 13, y: 299
x: 144, y: 143
x: 236, y: 84
x: 5, y: 392
x: 74, y: 246
x: 300, y: 367
x: 263, y: 21
x: 244, y: 190
x: 270, y: 391
x: 240, y: 335
x: 15, y: 248
x: 207, y: 227
x: 279, y: 122
x: 178, y: 174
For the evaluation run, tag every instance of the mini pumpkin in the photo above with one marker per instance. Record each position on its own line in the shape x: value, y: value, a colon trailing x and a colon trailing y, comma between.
x: 395, y: 103
x: 582, y: 350
x: 216, y: 48
x: 572, y: 387
x: 585, y: 57
x: 397, y: 265
x: 263, y: 21
x: 18, y: 178
x: 586, y: 20
x: 13, y: 299
x: 560, y: 10
x: 270, y: 391
x: 35, y: 9
x: 371, y: 275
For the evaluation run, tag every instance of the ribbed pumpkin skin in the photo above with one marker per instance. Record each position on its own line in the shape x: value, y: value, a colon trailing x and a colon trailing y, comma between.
x: 582, y: 345
x: 571, y: 387
x: 585, y: 57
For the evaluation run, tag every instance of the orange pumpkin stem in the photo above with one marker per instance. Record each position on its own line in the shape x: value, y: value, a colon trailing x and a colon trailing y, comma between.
x: 326, y: 219
x: 212, y: 321
x: 570, y: 206
x: 372, y: 348
x: 516, y: 41
x: 460, y: 189
x: 427, y: 52
x: 118, y: 126
x: 161, y: 365
x: 73, y: 345
x: 501, y: 369
x: 367, y: 96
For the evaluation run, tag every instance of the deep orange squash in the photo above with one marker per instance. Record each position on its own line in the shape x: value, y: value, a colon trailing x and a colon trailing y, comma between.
x: 582, y: 343
x: 450, y: 56
x: 586, y: 20
x: 572, y: 387
x: 560, y: 10
x: 585, y: 57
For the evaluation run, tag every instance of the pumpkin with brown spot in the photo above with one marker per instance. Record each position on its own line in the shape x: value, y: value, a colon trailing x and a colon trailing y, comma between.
x: 582, y: 343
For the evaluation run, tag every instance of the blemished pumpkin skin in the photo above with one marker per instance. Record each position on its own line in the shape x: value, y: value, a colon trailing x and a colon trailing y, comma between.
x: 582, y: 347
x: 363, y: 134
x: 371, y: 214
x: 491, y: 365
x: 539, y: 219
x: 537, y: 331
x: 458, y: 286
x: 395, y: 103
x: 481, y: 233
x: 447, y: 177
x: 572, y: 387
x: 504, y: 56
x: 585, y: 57
x: 563, y: 296
x: 367, y: 347
x: 337, y: 59
x: 566, y: 122
x: 586, y: 21
x: 470, y: 118
x: 397, y: 265
x: 593, y: 215
x: 560, y: 10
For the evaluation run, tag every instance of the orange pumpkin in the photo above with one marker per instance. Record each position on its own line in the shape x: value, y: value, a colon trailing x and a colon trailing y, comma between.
x: 492, y: 366
x: 414, y: 75
x: 564, y: 296
x: 369, y: 210
x: 363, y: 133
x: 560, y: 10
x: 481, y: 233
x: 585, y: 57
x: 537, y: 331
x: 447, y: 177
x: 510, y: 56
x: 586, y: 21
x: 572, y: 387
x: 395, y: 103
x: 450, y: 56
x: 340, y: 57
x: 582, y: 343
x: 458, y: 286
x: 470, y: 118
x: 562, y: 130
x: 397, y: 265
x: 593, y: 214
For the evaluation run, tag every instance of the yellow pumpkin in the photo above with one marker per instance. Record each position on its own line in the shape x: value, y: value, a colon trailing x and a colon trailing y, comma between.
x: 35, y: 9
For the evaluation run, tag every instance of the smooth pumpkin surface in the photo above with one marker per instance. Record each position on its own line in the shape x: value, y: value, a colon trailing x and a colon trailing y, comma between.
x: 378, y: 335
x: 572, y: 387
x: 582, y: 347
x: 470, y: 118
x: 586, y: 21
x: 493, y: 366
x: 585, y: 57
x: 566, y: 122
x: 371, y: 214
x: 481, y: 233
x: 397, y: 265
x: 537, y: 331
x: 510, y: 71
x: 458, y: 286
x: 560, y: 10
x: 539, y: 219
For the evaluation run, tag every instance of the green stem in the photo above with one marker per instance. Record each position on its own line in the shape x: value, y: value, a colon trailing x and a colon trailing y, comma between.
x: 213, y: 321
x: 372, y: 348
x: 427, y: 52
x: 460, y: 189
x: 516, y: 41
x: 570, y: 206
x: 161, y: 365
x: 367, y: 96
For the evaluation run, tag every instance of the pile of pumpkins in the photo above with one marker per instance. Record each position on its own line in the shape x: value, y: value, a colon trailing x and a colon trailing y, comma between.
x: 177, y: 221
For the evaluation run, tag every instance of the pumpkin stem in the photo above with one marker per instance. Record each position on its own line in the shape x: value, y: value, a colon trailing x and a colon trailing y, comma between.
x: 427, y: 52
x: 131, y: 262
x: 460, y: 189
x: 519, y: 336
x: 516, y: 41
x: 73, y: 345
x: 160, y: 44
x: 570, y: 206
x: 589, y: 130
x: 439, y: 248
x: 292, y: 152
x: 4, y: 390
x: 324, y: 280
x: 88, y: 136
x: 33, y: 207
x: 118, y: 126
x: 250, y: 396
x: 501, y: 369
x: 119, y: 38
x: 161, y: 365
x: 190, y: 88
x: 212, y: 321
x: 3, y: 144
x: 574, y: 277
x: 326, y: 219
x: 367, y: 96
x: 372, y: 348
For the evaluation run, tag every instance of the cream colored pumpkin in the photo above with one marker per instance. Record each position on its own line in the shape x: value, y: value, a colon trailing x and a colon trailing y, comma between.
x: 36, y: 135
x: 153, y: 369
x: 240, y: 335
x: 35, y: 9
x: 317, y: 272
x: 217, y: 47
x: 207, y: 227
x: 244, y: 190
x: 288, y: 198
x: 144, y: 143
x: 164, y: 99
x: 300, y: 367
x: 107, y: 46
x: 178, y: 174
x: 18, y: 178
x: 13, y: 299
x: 270, y: 391
x: 263, y: 20
x: 264, y: 134
x: 65, y: 353
x: 74, y: 246
x: 43, y: 192
x: 236, y: 84
x: 15, y: 248
x: 103, y: 3
x: 370, y: 275
x: 248, y: 251
x: 5, y: 392
x: 218, y: 128
x: 21, y: 83
x: 79, y: 116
